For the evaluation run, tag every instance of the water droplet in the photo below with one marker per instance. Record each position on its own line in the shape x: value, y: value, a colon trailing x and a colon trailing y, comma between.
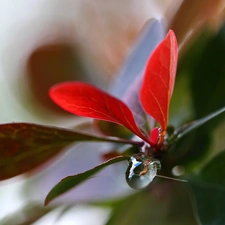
x: 178, y: 170
x: 141, y: 171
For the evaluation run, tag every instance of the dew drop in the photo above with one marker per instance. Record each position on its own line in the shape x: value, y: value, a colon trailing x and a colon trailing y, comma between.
x: 141, y: 171
x: 178, y: 170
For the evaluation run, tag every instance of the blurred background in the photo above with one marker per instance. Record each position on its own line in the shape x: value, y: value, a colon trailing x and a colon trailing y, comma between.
x: 46, y: 42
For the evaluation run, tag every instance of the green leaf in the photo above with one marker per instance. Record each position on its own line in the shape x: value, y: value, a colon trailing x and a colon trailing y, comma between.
x: 214, y: 171
x: 209, y: 202
x: 182, y: 131
x: 203, y: 65
x: 24, y: 146
x: 72, y: 181
x: 197, y: 139
x: 163, y: 203
x: 208, y: 189
x: 207, y: 77
x: 190, y: 149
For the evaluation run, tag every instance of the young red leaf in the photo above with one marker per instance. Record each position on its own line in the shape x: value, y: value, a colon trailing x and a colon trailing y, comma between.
x: 159, y: 80
x: 86, y: 100
x: 154, y: 136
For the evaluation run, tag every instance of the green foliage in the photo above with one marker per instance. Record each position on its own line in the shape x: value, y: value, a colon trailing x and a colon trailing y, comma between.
x: 158, y: 206
x: 203, y: 67
x: 72, y: 181
x: 208, y: 188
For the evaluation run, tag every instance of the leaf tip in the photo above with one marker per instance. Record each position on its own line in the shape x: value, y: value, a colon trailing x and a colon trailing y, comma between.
x: 47, y: 200
x: 171, y: 35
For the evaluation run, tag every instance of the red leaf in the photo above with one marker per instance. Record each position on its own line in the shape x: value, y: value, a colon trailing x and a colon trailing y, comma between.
x: 25, y: 146
x: 154, y: 136
x: 159, y: 80
x: 86, y: 100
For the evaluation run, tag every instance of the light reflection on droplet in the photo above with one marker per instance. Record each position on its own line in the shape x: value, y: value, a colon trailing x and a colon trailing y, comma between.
x: 141, y: 171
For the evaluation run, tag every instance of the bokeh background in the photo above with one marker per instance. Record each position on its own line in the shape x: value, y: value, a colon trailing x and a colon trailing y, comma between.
x: 46, y: 42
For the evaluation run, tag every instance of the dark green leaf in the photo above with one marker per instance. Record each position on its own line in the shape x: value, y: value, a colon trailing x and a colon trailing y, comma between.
x: 72, y: 181
x: 207, y: 83
x: 164, y: 203
x: 192, y: 148
x: 214, y: 171
x: 196, y: 142
x: 203, y: 65
x: 209, y: 202
x: 179, y: 133
x: 208, y: 189
x: 24, y: 146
